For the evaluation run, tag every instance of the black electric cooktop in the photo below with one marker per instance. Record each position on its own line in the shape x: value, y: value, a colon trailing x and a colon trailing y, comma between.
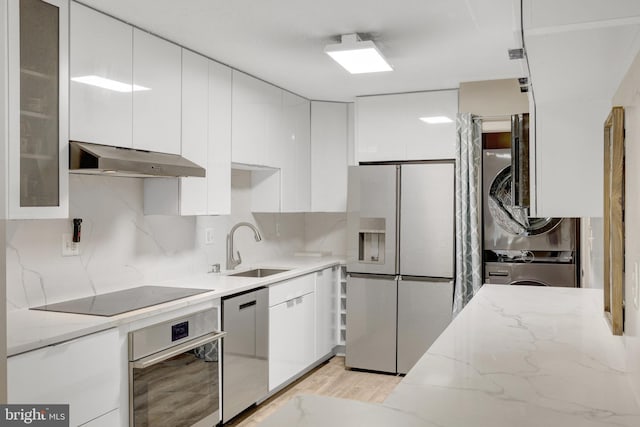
x: 121, y: 301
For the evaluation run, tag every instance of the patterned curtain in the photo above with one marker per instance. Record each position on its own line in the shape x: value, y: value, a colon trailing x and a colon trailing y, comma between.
x: 468, y: 246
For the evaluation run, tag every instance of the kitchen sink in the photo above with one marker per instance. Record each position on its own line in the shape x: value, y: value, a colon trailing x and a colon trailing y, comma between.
x: 259, y: 272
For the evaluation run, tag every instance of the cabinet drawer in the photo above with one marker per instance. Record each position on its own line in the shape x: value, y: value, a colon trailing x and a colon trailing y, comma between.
x: 83, y: 373
x: 291, y: 339
x: 290, y: 289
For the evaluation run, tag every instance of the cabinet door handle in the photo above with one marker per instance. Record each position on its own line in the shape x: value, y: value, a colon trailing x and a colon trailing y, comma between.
x: 247, y: 305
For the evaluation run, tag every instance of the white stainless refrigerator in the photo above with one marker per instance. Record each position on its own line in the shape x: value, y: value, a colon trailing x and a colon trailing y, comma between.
x: 400, y: 262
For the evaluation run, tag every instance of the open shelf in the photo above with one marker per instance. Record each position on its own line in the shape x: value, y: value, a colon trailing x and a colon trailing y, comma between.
x: 342, y: 323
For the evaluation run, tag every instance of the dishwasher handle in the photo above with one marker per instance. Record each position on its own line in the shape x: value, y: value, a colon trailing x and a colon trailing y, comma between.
x: 247, y: 305
x: 161, y: 356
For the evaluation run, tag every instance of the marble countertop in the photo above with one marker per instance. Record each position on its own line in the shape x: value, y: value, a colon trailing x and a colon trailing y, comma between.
x: 515, y: 356
x: 31, y: 329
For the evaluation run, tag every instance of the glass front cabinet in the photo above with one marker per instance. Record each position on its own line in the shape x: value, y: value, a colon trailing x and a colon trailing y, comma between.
x: 38, y: 108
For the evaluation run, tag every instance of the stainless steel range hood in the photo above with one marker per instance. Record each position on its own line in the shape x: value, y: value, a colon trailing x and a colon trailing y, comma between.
x: 96, y: 159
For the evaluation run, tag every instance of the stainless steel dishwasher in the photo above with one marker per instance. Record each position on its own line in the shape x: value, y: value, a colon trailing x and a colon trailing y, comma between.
x: 245, y: 368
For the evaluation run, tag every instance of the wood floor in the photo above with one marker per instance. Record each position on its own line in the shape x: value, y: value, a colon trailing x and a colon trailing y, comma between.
x: 330, y: 379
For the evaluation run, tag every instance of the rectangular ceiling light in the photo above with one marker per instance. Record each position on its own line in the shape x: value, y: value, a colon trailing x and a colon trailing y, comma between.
x: 436, y: 120
x: 109, y: 84
x: 358, y: 56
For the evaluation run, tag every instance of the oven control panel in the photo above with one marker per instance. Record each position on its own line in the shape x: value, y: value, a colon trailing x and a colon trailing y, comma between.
x: 162, y: 335
x: 179, y: 331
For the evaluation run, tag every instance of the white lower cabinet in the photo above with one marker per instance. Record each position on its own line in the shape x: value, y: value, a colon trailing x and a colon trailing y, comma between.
x: 291, y: 329
x: 83, y: 373
x: 327, y: 289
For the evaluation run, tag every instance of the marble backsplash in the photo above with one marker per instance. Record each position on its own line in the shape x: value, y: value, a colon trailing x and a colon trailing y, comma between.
x: 121, y: 247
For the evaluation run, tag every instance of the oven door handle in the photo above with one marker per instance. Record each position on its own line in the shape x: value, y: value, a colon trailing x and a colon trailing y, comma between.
x: 161, y: 356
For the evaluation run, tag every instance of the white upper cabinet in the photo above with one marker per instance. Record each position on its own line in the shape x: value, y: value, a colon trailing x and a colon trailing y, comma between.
x: 393, y: 127
x: 195, y: 129
x: 329, y: 150
x: 256, y: 121
x: 37, y: 165
x: 219, y: 153
x: 271, y: 134
x: 568, y: 158
x: 157, y: 93
x: 101, y: 71
x: 573, y: 95
x: 206, y: 141
x: 186, y: 196
x: 295, y: 154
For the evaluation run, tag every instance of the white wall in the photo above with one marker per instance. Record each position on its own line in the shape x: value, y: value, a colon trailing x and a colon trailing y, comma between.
x: 492, y: 98
x: 283, y: 234
x: 122, y: 248
x: 628, y: 96
x: 326, y: 232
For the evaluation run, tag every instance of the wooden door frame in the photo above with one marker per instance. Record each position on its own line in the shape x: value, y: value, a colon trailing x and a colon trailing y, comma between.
x: 614, y: 237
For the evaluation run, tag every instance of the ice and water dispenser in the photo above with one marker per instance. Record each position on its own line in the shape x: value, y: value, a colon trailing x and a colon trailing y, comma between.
x: 371, y: 240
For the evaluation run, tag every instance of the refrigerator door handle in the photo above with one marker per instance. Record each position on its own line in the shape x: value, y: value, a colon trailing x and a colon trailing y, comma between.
x: 372, y: 276
x: 425, y: 279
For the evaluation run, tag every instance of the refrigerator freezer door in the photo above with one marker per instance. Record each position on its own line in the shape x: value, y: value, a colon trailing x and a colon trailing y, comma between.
x: 371, y: 323
x: 424, y: 311
x: 371, y: 219
x: 427, y: 220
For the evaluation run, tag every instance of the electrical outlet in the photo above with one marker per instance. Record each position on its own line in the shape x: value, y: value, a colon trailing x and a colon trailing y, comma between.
x: 208, y: 236
x: 69, y: 247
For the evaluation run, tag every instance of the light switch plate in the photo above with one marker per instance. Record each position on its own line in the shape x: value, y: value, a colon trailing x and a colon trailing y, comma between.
x: 208, y: 236
x: 69, y: 247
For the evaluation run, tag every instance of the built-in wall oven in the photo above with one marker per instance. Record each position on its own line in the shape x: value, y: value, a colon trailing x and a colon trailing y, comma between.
x: 174, y: 372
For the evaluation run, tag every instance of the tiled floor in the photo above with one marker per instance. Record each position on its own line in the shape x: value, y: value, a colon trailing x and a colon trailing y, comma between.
x: 330, y: 379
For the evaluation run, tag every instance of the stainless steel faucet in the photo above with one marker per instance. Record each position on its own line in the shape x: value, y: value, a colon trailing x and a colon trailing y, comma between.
x: 231, y: 261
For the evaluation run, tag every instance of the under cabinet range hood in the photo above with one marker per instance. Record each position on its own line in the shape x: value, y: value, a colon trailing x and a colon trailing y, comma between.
x: 97, y: 159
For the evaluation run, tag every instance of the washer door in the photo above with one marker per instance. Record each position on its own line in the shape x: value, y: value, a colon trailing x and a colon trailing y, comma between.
x: 514, y: 219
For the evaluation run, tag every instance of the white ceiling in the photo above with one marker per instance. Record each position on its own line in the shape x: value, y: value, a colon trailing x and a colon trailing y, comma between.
x: 432, y: 44
x: 579, y: 50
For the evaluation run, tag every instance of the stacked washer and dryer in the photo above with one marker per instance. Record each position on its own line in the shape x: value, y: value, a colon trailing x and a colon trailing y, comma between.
x: 519, y: 250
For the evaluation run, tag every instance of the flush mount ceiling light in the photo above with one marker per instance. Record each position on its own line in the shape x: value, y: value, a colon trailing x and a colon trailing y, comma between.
x: 357, y: 56
x: 109, y: 84
x: 436, y: 120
